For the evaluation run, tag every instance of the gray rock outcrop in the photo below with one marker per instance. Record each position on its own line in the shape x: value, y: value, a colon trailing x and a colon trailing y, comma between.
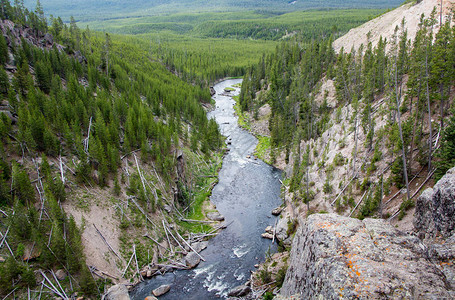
x: 336, y: 257
x: 117, y: 292
x: 281, y: 231
x: 435, y: 208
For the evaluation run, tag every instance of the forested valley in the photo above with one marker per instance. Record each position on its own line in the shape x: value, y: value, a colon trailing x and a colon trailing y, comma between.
x: 106, y: 140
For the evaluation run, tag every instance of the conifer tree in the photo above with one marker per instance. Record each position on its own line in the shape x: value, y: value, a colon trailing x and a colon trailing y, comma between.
x: 3, y: 50
x: 446, y: 153
x: 4, y: 82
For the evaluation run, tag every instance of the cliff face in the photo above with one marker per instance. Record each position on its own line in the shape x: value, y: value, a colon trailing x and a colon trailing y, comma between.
x: 435, y: 208
x: 334, y: 256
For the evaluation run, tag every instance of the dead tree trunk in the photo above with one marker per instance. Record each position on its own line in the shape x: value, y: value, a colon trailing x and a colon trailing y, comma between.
x: 430, y: 142
x: 403, y: 153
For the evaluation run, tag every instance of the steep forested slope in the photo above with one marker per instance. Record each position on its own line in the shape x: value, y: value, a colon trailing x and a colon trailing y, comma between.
x: 92, y: 126
x: 360, y: 133
x: 353, y: 129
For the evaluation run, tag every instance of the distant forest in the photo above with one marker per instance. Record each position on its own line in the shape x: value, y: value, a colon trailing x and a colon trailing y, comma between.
x: 84, y: 10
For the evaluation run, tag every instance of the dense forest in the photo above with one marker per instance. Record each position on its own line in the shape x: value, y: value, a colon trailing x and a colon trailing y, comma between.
x: 74, y: 105
x: 202, y: 55
x: 265, y: 25
x: 104, y: 10
x: 406, y: 84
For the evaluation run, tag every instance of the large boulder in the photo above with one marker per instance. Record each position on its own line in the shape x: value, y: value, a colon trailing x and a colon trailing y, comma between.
x: 335, y: 257
x: 435, y: 208
x: 199, y: 246
x: 117, y: 292
x: 239, y: 291
x: 281, y: 231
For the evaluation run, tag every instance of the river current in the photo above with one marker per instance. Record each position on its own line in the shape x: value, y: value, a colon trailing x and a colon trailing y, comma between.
x: 247, y: 191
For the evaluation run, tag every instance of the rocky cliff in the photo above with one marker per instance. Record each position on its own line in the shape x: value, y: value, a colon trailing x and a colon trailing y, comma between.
x: 339, y: 257
x: 435, y: 208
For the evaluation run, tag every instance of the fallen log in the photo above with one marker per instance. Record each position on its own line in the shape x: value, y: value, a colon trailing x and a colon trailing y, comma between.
x: 147, y: 236
x: 361, y: 199
x: 196, y: 221
x: 192, y: 249
x: 104, y: 240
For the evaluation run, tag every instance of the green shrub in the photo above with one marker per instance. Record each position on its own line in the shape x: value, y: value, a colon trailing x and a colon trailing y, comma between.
x: 327, y: 188
x: 265, y: 276
x: 339, y: 160
x: 280, y: 276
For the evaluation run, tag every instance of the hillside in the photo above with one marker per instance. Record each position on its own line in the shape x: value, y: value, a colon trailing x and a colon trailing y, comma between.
x: 359, y: 134
x: 384, y: 26
x: 104, y: 152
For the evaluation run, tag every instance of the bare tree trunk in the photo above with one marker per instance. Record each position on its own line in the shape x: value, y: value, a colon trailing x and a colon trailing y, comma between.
x: 403, y: 152
x: 441, y: 90
x: 355, y: 148
x: 430, y: 142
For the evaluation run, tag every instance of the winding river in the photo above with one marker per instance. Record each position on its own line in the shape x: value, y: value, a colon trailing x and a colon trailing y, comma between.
x: 247, y: 191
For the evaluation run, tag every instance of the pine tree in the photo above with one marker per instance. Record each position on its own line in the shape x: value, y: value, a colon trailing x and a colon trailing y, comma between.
x: 3, y: 50
x: 446, y: 153
x: 22, y: 188
x: 4, y: 82
x: 442, y: 66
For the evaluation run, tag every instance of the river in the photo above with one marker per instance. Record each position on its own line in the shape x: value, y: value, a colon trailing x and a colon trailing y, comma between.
x: 247, y: 191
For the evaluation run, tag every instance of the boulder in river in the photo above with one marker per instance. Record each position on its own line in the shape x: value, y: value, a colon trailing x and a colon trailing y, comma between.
x: 239, y: 291
x: 215, y: 216
x: 151, y: 298
x: 267, y: 235
x: 192, y: 260
x: 161, y: 290
x: 277, y: 211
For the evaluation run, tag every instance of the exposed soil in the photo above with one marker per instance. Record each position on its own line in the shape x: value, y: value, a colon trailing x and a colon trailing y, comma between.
x: 92, y: 207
